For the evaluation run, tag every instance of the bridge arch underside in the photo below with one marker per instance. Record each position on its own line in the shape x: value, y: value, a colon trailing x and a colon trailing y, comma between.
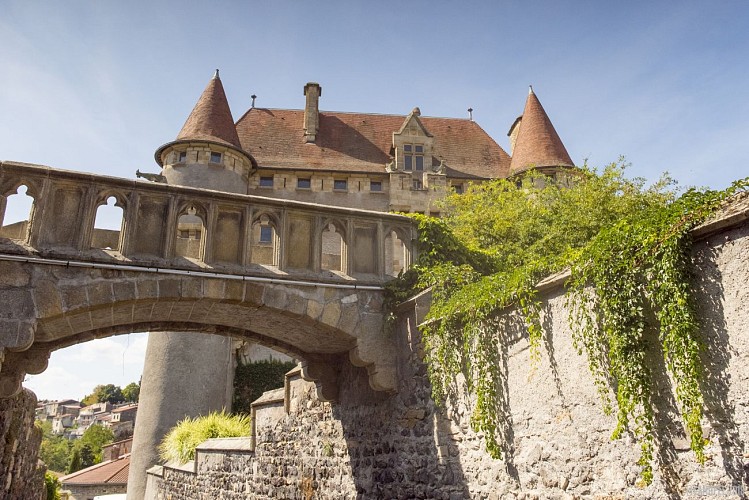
x: 44, y: 308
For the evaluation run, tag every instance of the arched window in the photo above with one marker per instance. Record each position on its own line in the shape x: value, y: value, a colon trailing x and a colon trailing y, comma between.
x: 265, y: 242
x: 190, y: 233
x: 333, y: 256
x: 397, y: 255
x: 16, y: 215
x: 108, y: 225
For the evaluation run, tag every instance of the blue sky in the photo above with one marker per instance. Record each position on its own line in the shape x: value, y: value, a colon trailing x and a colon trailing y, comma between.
x: 98, y: 86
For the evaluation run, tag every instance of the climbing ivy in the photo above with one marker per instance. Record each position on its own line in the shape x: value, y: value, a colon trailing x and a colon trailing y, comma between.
x: 627, y: 248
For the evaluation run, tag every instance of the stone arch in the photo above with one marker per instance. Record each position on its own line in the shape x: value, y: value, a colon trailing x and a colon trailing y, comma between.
x: 321, y: 325
x: 334, y: 246
x: 398, y: 249
x: 18, y: 230
x: 265, y: 238
x: 192, y: 230
x: 104, y: 238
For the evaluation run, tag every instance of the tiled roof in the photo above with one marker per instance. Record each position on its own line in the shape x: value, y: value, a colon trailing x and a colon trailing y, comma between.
x: 211, y: 118
x: 109, y: 472
x: 361, y: 142
x: 537, y: 144
x: 133, y: 406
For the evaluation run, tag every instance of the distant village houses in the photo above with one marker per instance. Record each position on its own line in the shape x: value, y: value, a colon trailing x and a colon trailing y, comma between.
x: 70, y: 419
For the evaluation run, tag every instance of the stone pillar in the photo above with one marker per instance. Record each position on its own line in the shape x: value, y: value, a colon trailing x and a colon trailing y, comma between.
x: 185, y: 374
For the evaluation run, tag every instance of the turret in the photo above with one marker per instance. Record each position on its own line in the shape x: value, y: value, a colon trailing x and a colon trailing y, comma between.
x: 535, y: 142
x: 207, y: 152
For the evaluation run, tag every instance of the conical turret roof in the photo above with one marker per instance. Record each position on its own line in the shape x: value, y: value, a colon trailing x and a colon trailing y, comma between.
x: 538, y: 144
x: 211, y: 118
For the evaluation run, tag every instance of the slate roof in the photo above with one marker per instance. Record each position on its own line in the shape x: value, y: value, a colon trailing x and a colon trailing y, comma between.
x: 109, y: 472
x: 362, y: 142
x: 537, y: 144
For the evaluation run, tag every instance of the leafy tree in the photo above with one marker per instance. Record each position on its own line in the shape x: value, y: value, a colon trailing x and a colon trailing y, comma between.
x: 91, y: 443
x: 628, y: 241
x: 76, y: 463
x: 54, y: 450
x: 131, y: 392
x: 105, y: 393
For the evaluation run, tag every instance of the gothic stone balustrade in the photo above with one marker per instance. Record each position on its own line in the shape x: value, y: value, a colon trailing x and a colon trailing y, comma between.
x: 303, y: 278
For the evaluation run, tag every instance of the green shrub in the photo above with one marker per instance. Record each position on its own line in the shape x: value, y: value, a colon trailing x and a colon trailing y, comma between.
x: 179, y: 444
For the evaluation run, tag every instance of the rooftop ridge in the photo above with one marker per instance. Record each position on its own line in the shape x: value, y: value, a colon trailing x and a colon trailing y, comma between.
x: 362, y: 113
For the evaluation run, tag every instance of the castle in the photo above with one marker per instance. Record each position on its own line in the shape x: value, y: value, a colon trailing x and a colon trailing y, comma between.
x: 359, y: 160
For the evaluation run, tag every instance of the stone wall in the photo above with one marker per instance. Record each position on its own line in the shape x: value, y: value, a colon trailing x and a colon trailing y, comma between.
x: 21, y: 474
x: 375, y: 445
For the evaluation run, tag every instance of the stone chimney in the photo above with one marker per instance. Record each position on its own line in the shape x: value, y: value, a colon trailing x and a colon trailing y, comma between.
x: 312, y: 91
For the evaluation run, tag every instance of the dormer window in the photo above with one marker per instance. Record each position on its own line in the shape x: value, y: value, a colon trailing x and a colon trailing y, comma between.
x: 413, y: 157
x: 215, y: 157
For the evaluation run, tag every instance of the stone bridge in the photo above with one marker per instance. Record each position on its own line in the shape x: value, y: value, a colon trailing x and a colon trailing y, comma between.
x: 301, y: 278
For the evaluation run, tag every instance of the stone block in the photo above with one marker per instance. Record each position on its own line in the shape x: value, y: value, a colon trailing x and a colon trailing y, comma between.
x: 169, y: 288
x: 47, y: 299
x: 296, y: 305
x: 73, y: 297
x: 124, y: 291
x: 191, y: 288
x: 275, y: 297
x: 142, y: 312
x: 12, y: 274
x: 331, y: 314
x: 147, y: 288
x: 314, y: 309
x: 253, y: 293
x: 234, y: 291
x: 214, y: 288
x: 99, y: 293
x: 80, y: 322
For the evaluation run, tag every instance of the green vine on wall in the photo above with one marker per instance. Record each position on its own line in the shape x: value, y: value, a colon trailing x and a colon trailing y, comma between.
x: 627, y: 247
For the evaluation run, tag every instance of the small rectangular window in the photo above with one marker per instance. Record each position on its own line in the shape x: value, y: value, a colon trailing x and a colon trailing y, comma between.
x: 417, y: 184
x: 340, y: 184
x: 419, y: 149
x: 458, y: 188
x: 407, y: 148
x: 304, y: 183
x: 182, y: 156
x: 266, y: 182
x: 408, y: 163
x: 215, y: 157
x: 419, y: 163
x: 266, y: 234
x: 375, y: 186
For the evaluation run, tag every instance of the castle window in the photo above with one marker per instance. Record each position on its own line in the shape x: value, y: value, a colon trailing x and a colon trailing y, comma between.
x: 266, y: 182
x: 182, y: 156
x: 458, y: 188
x: 215, y: 157
x: 304, y: 183
x: 375, y: 186
x: 417, y: 184
x: 340, y: 184
x: 413, y: 157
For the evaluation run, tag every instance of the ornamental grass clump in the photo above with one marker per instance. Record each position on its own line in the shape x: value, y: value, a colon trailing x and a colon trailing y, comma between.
x: 627, y: 248
x: 179, y: 444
